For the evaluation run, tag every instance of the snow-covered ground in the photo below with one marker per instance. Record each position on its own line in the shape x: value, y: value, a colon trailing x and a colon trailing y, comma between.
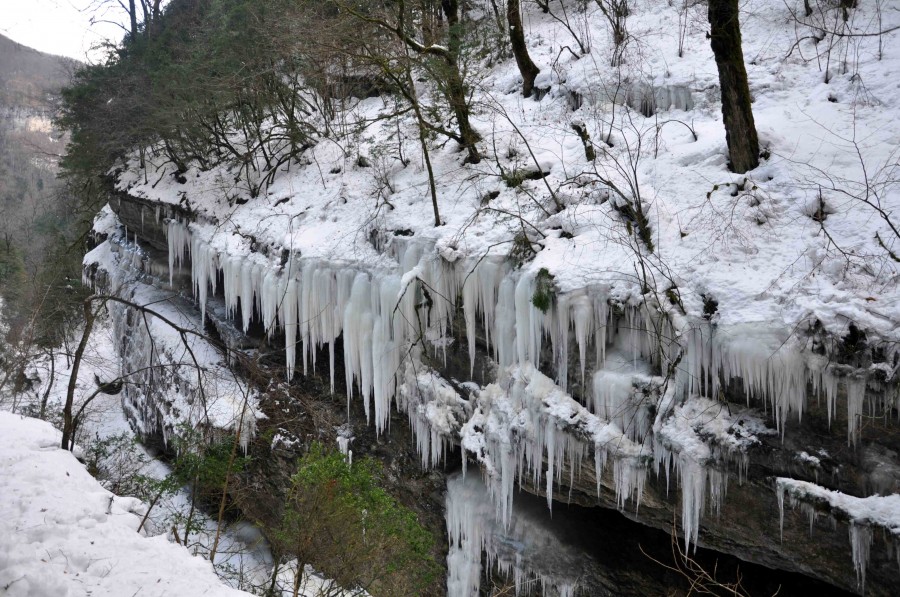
x: 754, y: 247
x: 61, y: 533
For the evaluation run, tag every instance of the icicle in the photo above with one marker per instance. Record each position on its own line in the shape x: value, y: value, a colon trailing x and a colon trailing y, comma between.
x: 290, y: 324
x: 179, y: 241
x: 601, y: 319
x: 488, y: 280
x: 582, y: 313
x: 528, y: 322
x: 245, y: 294
x: 856, y: 393
x: 505, y: 336
x: 560, y: 340
x: 470, y: 299
x: 269, y: 300
x: 692, y: 492
x: 551, y: 461
x: 629, y: 480
x: 860, y: 542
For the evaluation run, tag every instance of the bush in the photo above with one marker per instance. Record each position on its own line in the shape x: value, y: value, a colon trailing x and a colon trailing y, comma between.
x: 338, y: 519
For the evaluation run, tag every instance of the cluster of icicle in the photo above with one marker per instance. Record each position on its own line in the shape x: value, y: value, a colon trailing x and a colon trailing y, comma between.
x: 166, y: 388
x: 523, y: 549
x: 314, y: 302
x: 381, y: 314
x: 525, y: 427
x: 859, y: 511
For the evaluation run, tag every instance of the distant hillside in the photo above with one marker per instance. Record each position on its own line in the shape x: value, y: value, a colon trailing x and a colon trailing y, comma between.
x: 27, y: 77
x: 32, y: 217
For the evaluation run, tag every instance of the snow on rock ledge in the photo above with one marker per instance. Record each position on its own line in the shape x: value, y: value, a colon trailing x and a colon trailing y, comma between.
x: 864, y: 515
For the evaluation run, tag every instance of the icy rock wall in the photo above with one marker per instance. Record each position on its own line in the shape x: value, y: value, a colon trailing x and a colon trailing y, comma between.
x: 645, y: 367
x: 865, y: 515
x: 174, y: 376
x: 381, y: 312
x: 379, y: 316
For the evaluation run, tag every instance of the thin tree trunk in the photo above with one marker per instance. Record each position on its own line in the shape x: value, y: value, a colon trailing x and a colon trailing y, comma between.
x: 456, y: 88
x: 737, y: 114
x: 150, y: 508
x: 520, y: 50
x: 68, y: 433
x: 423, y: 140
x: 231, y: 457
x: 46, y: 395
x: 132, y: 13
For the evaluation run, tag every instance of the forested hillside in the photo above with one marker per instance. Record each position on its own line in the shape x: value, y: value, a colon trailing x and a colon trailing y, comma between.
x: 38, y: 233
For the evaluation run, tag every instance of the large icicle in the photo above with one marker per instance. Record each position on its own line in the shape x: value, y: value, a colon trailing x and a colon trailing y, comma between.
x: 526, y: 549
x: 179, y: 240
x: 526, y: 420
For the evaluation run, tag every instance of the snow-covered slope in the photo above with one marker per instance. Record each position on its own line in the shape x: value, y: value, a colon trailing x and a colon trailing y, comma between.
x: 61, y: 533
x: 750, y: 242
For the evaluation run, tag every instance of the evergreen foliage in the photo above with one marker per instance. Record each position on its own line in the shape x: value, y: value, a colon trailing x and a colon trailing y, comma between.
x: 338, y: 518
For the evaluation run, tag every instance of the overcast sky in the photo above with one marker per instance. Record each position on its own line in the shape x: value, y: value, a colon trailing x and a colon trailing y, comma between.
x: 58, y: 26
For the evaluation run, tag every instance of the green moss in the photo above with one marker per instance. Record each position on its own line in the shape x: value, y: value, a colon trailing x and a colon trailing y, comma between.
x: 544, y: 290
x: 522, y: 250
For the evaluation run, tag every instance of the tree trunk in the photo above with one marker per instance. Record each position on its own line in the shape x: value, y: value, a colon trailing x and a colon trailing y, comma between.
x: 737, y: 114
x: 46, y: 396
x: 517, y: 39
x: 68, y: 432
x: 132, y: 14
x: 456, y: 88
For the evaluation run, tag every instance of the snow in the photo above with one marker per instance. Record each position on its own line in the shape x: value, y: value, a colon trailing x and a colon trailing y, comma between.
x: 243, y: 559
x: 316, y: 255
x: 61, y: 533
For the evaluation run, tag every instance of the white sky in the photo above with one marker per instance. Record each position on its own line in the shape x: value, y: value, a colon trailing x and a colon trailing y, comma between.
x: 60, y: 27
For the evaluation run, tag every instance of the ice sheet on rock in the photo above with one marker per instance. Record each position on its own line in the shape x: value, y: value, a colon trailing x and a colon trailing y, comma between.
x: 698, y: 441
x: 620, y: 395
x: 525, y: 421
x: 175, y: 376
x: 435, y: 410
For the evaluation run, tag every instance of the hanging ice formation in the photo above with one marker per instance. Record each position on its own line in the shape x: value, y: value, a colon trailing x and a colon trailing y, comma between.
x: 525, y: 427
x: 525, y: 550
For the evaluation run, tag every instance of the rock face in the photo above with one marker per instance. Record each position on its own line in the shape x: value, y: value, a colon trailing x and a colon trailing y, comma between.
x: 733, y: 485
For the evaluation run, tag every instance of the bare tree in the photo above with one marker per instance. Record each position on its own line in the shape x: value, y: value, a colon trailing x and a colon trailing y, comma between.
x: 92, y: 307
x: 450, y: 76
